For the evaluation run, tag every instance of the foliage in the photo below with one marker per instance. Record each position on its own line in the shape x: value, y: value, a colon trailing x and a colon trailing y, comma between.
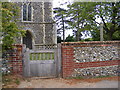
x: 103, y: 76
x: 69, y: 39
x: 95, y: 35
x: 116, y: 35
x: 17, y: 81
x: 85, y: 15
x: 10, y: 30
x: 60, y: 19
x: 88, y: 39
x: 11, y: 81
x: 75, y: 21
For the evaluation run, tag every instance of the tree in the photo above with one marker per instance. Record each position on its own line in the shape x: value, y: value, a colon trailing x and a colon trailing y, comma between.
x: 84, y: 16
x: 75, y: 20
x: 59, y: 39
x: 10, y: 30
x: 109, y: 14
x: 60, y: 20
x: 78, y: 18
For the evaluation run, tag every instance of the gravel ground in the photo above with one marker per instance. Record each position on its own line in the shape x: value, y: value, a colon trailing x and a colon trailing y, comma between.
x: 69, y: 83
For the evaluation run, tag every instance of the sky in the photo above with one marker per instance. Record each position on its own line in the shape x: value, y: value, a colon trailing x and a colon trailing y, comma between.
x: 58, y: 2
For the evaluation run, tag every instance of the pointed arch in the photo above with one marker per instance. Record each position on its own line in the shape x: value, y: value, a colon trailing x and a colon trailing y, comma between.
x: 28, y: 39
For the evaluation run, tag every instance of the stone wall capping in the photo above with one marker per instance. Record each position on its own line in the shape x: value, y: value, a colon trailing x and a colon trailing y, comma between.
x: 90, y: 42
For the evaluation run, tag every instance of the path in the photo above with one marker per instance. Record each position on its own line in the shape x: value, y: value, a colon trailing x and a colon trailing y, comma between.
x: 67, y: 83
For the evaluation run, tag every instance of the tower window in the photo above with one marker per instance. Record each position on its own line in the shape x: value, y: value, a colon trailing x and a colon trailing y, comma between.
x: 27, y: 12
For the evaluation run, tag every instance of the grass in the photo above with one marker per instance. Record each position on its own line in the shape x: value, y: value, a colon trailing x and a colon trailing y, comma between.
x: 80, y: 77
x: 103, y: 76
x: 11, y: 81
x: 17, y: 81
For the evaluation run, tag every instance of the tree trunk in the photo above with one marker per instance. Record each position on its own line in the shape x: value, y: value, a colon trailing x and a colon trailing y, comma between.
x: 110, y: 33
x: 77, y: 36
x: 63, y: 29
x: 110, y: 36
x: 78, y: 33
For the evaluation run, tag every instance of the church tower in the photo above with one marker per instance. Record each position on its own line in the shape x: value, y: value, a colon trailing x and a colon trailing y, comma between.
x: 36, y: 19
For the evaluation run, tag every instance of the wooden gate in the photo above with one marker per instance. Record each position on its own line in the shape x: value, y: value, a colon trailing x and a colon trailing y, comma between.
x: 42, y: 63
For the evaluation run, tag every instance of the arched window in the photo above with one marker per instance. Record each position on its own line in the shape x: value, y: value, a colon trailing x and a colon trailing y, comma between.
x: 27, y: 12
x: 24, y: 12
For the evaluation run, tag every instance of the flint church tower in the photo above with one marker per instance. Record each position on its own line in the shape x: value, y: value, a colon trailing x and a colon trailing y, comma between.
x: 36, y: 19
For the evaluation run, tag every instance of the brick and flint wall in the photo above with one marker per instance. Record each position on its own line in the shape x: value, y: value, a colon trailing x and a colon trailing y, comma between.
x: 90, y: 59
x: 15, y: 59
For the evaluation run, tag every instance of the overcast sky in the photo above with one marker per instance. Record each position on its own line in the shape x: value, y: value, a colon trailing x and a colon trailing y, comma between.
x: 57, y: 3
